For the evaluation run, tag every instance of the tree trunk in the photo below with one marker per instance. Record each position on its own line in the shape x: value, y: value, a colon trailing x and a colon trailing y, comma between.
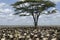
x: 35, y: 20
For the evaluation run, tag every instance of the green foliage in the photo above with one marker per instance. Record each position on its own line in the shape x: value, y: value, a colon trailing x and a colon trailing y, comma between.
x: 33, y: 7
x: 33, y: 3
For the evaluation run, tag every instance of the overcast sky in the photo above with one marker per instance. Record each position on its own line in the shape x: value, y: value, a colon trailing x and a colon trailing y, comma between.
x: 6, y: 17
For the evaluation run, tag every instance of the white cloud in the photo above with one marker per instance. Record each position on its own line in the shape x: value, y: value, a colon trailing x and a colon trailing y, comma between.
x: 6, y: 11
x: 55, y: 0
x: 2, y: 4
x: 52, y: 19
x: 21, y: 0
x: 6, y: 18
x: 2, y: 15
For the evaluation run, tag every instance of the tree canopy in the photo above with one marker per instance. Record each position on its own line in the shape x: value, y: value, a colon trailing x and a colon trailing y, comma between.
x: 33, y: 7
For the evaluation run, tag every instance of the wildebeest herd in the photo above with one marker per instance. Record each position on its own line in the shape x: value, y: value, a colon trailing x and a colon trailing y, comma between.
x: 30, y: 33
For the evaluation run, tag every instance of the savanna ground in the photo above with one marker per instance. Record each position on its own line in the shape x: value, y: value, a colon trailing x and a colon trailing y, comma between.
x: 30, y: 33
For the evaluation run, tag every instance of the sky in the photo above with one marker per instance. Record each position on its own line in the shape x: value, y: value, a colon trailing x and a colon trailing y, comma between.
x: 6, y: 17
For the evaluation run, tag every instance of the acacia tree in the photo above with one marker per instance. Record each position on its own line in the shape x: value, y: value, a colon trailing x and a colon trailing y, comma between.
x: 34, y: 8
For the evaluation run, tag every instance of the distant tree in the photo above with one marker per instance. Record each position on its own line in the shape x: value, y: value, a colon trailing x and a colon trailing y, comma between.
x: 34, y: 8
